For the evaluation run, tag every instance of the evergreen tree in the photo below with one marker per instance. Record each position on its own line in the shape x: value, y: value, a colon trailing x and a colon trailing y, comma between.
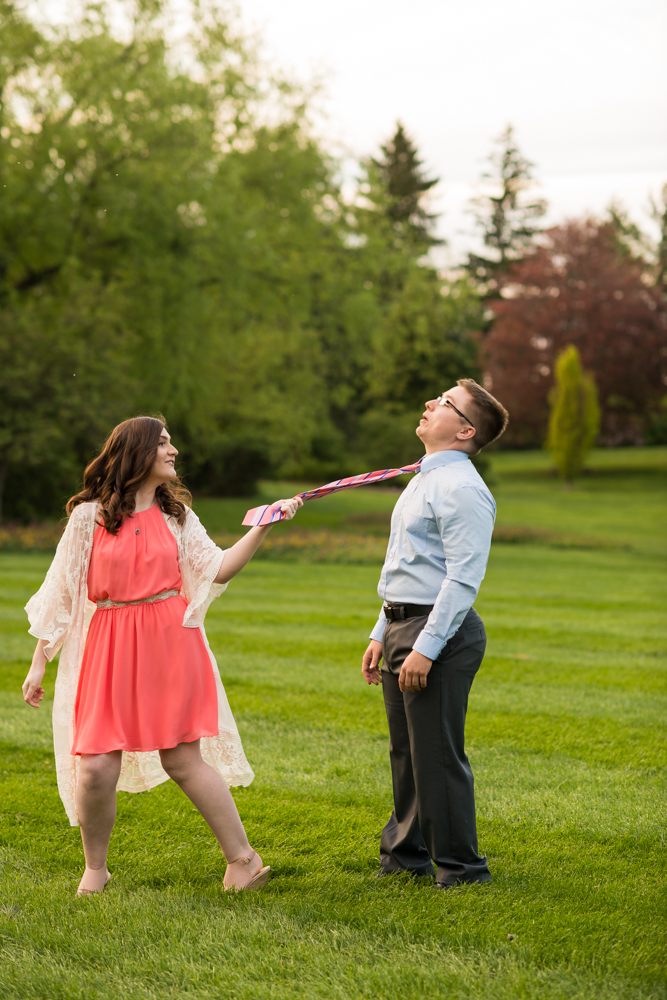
x: 630, y: 241
x: 575, y: 415
x: 417, y: 326
x: 507, y: 220
x: 659, y: 213
x: 404, y: 185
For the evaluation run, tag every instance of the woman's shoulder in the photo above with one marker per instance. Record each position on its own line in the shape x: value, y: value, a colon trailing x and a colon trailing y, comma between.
x: 85, y: 511
x: 190, y: 516
x: 179, y: 526
x: 192, y: 527
x: 88, y: 507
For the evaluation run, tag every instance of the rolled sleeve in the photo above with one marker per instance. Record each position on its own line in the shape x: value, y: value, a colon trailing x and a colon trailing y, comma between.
x: 428, y: 645
x: 380, y: 625
x: 453, y: 604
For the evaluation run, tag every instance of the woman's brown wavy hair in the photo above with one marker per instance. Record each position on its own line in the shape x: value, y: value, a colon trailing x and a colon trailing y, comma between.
x: 122, y: 466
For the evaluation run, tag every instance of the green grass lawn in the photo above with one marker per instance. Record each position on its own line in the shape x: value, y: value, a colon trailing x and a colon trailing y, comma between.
x: 566, y: 735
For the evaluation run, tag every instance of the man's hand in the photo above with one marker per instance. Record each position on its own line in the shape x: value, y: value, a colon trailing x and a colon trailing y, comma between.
x: 370, y: 664
x: 414, y: 672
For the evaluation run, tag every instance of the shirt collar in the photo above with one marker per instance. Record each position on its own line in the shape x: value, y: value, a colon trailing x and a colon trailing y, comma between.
x: 439, y: 458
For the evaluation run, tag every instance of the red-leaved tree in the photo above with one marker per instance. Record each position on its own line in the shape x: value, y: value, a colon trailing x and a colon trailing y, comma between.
x: 580, y: 286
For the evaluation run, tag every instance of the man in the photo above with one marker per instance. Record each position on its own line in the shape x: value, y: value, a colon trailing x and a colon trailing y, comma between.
x: 433, y: 641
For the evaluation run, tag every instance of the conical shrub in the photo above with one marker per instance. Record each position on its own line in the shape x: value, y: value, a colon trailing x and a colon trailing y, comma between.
x: 575, y: 415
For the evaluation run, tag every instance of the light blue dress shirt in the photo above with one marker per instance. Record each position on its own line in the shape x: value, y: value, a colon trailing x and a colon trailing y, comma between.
x: 439, y: 545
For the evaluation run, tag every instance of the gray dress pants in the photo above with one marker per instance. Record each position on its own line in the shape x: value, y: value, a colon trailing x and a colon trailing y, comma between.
x: 433, y: 822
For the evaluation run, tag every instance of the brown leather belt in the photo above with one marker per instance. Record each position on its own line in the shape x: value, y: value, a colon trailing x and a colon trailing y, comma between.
x: 399, y: 612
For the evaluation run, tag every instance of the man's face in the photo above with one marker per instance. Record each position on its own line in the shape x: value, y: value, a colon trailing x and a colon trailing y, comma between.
x: 442, y: 427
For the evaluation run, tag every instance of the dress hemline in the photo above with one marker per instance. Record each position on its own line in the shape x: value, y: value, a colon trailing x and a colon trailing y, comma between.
x: 151, y: 749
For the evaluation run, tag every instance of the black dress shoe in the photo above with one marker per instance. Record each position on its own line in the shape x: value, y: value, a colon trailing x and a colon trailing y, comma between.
x: 462, y: 881
x: 403, y: 871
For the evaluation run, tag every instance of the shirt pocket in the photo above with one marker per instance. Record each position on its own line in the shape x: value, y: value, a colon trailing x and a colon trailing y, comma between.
x: 416, y: 530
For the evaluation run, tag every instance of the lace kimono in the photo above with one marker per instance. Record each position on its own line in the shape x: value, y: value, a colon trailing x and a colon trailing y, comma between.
x: 60, y: 612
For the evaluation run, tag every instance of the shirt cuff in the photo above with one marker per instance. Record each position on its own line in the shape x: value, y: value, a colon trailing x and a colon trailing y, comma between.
x: 380, y: 626
x: 428, y: 645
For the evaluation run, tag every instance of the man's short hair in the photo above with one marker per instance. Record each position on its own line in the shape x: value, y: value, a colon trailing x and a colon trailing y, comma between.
x: 490, y: 416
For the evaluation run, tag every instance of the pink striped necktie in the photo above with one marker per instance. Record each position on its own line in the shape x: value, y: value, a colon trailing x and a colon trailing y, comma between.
x: 271, y: 513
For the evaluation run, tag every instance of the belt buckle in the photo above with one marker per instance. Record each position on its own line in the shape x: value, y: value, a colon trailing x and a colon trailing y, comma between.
x: 395, y: 614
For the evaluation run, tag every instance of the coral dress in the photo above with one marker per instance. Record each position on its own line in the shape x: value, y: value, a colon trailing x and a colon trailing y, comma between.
x: 146, y: 682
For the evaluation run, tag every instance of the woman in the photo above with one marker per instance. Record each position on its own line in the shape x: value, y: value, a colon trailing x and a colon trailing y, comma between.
x: 138, y: 696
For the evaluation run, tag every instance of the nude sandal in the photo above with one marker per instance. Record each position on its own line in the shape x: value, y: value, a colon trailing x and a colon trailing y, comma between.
x: 83, y: 890
x: 258, y: 881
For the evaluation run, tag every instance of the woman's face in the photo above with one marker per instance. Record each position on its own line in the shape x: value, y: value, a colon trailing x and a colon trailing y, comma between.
x: 164, y: 468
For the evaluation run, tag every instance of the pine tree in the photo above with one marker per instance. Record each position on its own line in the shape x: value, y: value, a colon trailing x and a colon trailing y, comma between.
x: 508, y: 222
x: 575, y: 415
x: 405, y: 184
x: 659, y: 213
x: 630, y: 240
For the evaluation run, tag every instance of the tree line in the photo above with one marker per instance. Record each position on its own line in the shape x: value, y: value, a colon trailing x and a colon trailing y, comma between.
x: 173, y: 238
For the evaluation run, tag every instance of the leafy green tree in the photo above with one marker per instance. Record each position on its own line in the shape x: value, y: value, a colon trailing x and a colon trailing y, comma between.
x: 63, y: 383
x: 507, y: 220
x: 135, y: 196
x: 575, y: 415
x: 162, y: 248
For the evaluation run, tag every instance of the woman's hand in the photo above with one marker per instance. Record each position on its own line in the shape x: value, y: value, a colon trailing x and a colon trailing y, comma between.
x: 242, y: 552
x: 290, y: 507
x: 33, y: 692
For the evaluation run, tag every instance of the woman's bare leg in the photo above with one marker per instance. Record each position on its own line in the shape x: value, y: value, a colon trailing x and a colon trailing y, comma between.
x: 209, y: 793
x: 96, y: 807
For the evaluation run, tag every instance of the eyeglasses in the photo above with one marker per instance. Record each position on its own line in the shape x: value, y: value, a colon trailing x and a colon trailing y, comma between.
x: 443, y: 401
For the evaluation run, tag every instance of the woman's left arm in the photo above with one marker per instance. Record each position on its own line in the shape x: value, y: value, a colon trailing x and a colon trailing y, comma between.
x: 33, y: 692
x: 240, y: 554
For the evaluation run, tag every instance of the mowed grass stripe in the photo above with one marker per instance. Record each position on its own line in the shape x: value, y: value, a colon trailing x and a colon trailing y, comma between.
x: 566, y: 740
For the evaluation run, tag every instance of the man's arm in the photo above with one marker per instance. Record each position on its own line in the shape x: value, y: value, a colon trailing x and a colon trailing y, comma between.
x: 452, y: 605
x: 370, y: 662
x: 465, y: 519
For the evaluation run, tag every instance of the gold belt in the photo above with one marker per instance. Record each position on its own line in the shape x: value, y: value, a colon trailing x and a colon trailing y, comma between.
x: 106, y: 603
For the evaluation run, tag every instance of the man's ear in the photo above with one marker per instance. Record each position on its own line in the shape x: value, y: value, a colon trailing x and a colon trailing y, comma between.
x: 466, y: 433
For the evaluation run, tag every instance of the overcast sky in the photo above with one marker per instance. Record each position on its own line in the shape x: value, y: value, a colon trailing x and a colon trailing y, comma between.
x: 584, y: 82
